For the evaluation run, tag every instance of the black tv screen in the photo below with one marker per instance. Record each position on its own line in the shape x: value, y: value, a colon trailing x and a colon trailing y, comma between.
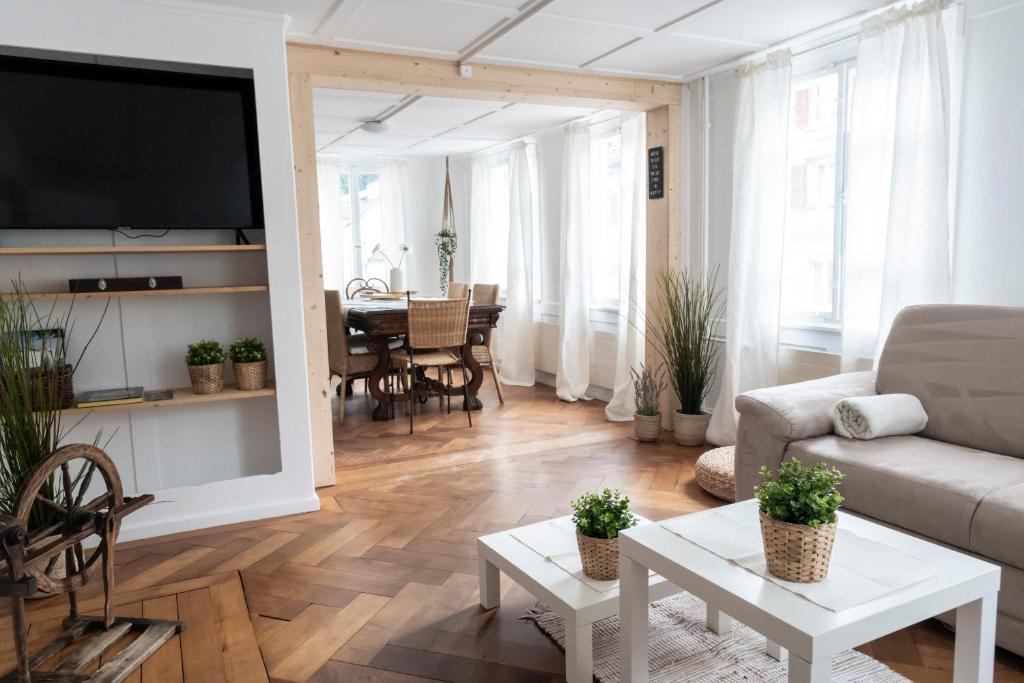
x: 86, y: 145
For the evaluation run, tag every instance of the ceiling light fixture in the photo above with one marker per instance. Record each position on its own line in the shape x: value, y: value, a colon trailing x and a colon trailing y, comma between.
x: 374, y: 126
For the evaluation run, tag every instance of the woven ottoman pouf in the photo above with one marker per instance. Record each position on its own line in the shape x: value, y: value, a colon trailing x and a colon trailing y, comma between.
x: 715, y: 472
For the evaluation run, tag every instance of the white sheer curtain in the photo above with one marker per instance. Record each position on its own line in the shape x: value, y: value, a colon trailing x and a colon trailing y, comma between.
x: 632, y: 248
x: 516, y: 324
x: 489, y: 213
x: 573, y: 375
x: 760, y: 149
x: 335, y: 224
x: 897, y: 237
x: 392, y: 209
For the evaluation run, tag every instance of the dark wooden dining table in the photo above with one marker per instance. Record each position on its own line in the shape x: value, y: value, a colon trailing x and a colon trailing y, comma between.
x: 383, y: 321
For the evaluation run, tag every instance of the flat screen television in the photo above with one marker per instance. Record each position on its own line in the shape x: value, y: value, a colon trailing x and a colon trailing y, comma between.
x: 88, y: 145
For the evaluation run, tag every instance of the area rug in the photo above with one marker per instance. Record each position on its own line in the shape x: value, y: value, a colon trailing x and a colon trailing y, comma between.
x: 681, y: 648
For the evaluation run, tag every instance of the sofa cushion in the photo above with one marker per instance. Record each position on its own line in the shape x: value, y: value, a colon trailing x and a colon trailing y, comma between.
x: 929, y: 487
x: 966, y: 365
x: 998, y: 527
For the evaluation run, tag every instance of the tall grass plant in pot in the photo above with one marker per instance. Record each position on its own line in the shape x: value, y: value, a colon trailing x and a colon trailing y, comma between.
x: 648, y: 386
x: 682, y: 334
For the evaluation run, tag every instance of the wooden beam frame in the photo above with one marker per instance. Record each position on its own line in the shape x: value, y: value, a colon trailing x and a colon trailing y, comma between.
x: 311, y: 66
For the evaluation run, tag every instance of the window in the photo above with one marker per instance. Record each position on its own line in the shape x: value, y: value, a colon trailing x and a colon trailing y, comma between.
x: 815, y: 214
x: 605, y: 216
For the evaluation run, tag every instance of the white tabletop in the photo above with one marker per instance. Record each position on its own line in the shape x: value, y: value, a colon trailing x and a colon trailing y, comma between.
x: 793, y: 620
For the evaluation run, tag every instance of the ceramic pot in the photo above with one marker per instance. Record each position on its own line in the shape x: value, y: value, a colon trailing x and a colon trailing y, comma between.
x: 647, y: 427
x: 689, y: 430
x: 397, y: 280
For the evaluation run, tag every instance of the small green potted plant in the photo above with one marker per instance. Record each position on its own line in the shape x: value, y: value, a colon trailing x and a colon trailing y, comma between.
x: 599, y: 517
x: 249, y: 357
x: 205, y: 362
x: 648, y: 386
x: 798, y: 519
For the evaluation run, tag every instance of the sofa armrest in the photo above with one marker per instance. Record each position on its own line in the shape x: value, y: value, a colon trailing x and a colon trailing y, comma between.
x: 771, y: 418
x: 803, y: 410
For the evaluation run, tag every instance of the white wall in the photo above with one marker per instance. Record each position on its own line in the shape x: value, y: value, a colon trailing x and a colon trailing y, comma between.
x: 989, y: 235
x: 257, y: 454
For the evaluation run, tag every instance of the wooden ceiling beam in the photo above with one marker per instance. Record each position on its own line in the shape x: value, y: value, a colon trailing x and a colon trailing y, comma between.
x: 346, y: 69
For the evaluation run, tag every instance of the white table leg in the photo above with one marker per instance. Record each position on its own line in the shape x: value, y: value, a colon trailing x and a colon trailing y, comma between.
x: 633, y: 633
x: 490, y: 584
x: 975, y: 648
x: 579, y: 651
x: 774, y: 650
x: 801, y: 671
x: 718, y: 622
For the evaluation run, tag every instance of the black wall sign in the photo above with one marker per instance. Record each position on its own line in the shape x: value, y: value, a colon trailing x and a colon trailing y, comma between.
x: 656, y: 173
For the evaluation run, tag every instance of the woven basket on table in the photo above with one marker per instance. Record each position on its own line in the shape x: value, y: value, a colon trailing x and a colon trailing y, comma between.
x: 797, y: 552
x: 600, y: 556
x: 207, y: 379
x: 251, y: 376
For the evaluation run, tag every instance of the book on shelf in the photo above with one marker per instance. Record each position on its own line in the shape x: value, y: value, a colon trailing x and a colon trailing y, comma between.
x: 110, y: 397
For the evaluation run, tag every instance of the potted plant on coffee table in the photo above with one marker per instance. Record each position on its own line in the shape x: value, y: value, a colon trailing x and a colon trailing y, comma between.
x: 205, y: 361
x: 599, y: 517
x: 249, y: 357
x: 648, y: 386
x: 798, y: 519
x: 688, y: 306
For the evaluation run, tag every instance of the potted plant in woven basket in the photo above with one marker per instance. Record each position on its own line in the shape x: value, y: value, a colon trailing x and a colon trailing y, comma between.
x: 682, y: 334
x: 205, y: 361
x: 798, y: 519
x: 648, y: 386
x: 249, y: 357
x: 599, y: 517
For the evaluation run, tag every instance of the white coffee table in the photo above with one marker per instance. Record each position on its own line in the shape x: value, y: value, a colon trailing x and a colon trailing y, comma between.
x: 578, y: 604
x: 810, y: 633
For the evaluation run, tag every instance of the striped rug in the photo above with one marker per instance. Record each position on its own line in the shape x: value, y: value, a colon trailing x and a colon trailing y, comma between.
x: 682, y: 649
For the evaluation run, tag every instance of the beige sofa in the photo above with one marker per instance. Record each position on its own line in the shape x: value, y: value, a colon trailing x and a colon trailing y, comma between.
x: 959, y: 482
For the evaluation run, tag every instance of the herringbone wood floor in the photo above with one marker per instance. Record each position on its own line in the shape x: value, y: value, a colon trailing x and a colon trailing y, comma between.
x: 381, y: 585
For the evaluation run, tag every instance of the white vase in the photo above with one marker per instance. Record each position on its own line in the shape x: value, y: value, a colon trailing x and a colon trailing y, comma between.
x: 397, y: 280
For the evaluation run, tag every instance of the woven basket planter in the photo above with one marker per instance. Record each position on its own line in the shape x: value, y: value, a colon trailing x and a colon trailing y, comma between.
x: 52, y: 388
x: 797, y: 552
x: 689, y: 430
x: 251, y: 376
x: 207, y: 379
x: 646, y: 427
x: 600, y: 556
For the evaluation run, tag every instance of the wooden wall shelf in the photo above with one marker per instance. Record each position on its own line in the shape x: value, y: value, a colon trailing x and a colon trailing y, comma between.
x: 182, y: 397
x: 187, y: 291
x: 153, y: 249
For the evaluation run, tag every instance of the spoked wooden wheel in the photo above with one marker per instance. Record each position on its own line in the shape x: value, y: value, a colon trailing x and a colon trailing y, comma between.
x: 63, y: 500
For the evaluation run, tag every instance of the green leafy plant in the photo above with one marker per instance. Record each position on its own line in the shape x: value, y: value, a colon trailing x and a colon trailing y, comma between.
x: 602, y: 515
x: 447, y: 243
x: 800, y: 495
x: 247, y: 350
x: 205, y: 352
x: 648, y: 386
x: 681, y: 333
x: 31, y: 425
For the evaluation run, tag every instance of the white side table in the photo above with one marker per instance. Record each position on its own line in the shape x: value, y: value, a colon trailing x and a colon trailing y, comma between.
x: 810, y: 633
x: 578, y: 604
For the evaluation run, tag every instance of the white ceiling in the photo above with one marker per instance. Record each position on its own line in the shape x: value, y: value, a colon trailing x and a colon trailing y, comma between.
x: 648, y: 38
x: 427, y: 126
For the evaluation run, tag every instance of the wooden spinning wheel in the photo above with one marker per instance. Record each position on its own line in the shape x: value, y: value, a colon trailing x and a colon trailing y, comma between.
x: 63, y: 530
x: 52, y: 505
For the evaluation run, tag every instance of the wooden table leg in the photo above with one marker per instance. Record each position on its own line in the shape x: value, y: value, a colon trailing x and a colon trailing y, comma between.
x: 476, y: 376
x: 385, y: 409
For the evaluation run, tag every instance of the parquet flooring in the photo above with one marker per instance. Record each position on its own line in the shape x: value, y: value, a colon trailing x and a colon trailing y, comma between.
x: 380, y: 585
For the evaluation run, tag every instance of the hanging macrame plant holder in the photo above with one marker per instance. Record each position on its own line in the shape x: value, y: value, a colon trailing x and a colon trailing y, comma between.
x: 446, y: 239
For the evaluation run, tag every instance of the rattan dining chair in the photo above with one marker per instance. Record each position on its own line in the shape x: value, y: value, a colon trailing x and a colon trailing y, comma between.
x: 458, y: 290
x: 435, y: 338
x: 487, y: 294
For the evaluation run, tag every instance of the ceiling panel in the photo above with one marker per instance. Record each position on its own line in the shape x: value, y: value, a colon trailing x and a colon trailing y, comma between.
x: 763, y: 22
x: 306, y: 14
x: 446, y: 145
x: 444, y: 110
x: 535, y: 116
x: 558, y: 41
x: 671, y: 55
x: 645, y: 14
x: 432, y: 26
x: 351, y: 104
